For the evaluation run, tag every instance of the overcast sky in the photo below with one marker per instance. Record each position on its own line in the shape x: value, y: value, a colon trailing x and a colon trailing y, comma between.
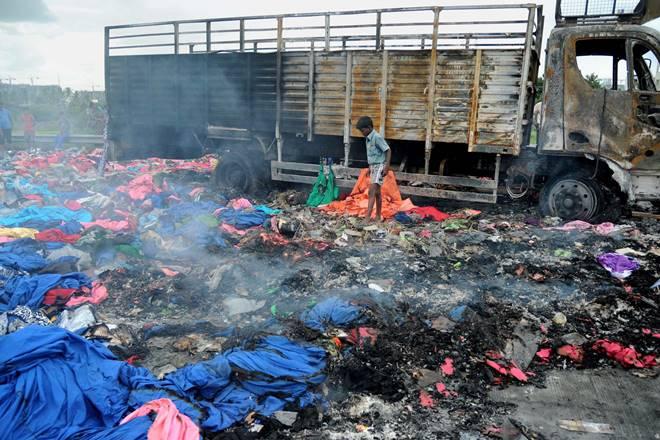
x: 47, y: 41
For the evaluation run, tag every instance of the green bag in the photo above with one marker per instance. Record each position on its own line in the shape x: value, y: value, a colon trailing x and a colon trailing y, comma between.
x: 324, y: 190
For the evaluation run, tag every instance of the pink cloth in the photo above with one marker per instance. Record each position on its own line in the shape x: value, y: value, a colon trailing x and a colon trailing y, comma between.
x: 140, y: 187
x: 232, y: 230
x: 98, y: 294
x: 240, y: 204
x: 113, y: 225
x: 169, y: 272
x: 605, y: 228
x: 196, y: 191
x: 170, y: 424
x: 6, y: 239
x: 579, y: 225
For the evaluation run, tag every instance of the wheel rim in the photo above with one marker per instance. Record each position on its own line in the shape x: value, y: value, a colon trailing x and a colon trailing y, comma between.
x: 233, y: 175
x: 573, y: 199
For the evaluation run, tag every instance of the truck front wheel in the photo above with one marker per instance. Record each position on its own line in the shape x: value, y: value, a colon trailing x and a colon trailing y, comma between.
x: 572, y: 196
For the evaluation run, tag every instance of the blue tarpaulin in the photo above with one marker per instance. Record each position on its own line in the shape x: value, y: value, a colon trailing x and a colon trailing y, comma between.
x: 332, y: 311
x: 57, y: 385
x: 43, y: 217
x: 30, y: 290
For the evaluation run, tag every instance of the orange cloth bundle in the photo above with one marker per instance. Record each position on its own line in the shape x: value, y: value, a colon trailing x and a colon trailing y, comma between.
x: 356, y: 203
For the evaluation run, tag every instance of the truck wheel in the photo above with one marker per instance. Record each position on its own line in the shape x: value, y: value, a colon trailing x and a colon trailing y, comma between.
x: 234, y: 171
x: 572, y: 196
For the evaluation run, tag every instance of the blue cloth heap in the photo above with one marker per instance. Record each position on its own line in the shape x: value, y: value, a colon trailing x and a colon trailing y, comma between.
x: 24, y: 290
x: 332, y: 312
x: 57, y: 385
x: 23, y: 255
x: 44, y: 217
x: 243, y: 219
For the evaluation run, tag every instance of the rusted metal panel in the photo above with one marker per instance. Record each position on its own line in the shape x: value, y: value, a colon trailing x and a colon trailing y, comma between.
x: 428, y: 145
x: 453, y: 83
x: 384, y: 89
x: 499, y: 97
x: 474, y: 104
x: 295, y: 94
x: 365, y: 98
x: 407, y: 100
x: 329, y: 93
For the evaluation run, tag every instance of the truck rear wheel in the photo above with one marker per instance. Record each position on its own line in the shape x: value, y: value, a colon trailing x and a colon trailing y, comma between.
x: 572, y: 196
x: 243, y: 171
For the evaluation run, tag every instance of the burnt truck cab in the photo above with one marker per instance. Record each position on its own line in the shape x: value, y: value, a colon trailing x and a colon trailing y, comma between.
x: 600, y: 140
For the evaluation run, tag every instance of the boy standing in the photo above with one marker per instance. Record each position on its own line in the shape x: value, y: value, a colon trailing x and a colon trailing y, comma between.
x: 379, y: 155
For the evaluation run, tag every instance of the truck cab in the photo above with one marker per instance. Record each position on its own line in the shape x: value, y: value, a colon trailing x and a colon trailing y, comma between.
x: 599, y: 140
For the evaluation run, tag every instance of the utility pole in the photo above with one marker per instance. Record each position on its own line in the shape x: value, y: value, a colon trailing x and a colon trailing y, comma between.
x: 10, y: 79
x: 32, y: 79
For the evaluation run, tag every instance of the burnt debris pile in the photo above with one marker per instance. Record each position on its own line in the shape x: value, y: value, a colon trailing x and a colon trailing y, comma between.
x: 156, y: 304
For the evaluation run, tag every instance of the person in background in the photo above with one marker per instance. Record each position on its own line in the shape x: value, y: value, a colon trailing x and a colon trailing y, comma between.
x: 65, y: 131
x: 28, y: 129
x: 379, y: 155
x: 5, y: 128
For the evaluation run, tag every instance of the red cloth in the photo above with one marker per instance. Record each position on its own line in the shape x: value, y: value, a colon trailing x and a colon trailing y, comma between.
x: 53, y: 295
x: 430, y: 212
x: 626, y: 356
x: 140, y: 187
x: 56, y: 235
x: 73, y: 205
x: 82, y: 163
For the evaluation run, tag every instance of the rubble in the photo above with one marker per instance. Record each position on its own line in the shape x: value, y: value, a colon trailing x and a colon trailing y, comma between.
x: 420, y: 319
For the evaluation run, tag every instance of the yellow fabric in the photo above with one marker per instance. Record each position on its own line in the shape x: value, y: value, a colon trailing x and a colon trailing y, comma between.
x: 18, y: 232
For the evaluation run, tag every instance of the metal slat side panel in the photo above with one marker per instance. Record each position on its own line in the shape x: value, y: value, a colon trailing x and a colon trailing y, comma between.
x: 192, y: 90
x: 117, y: 90
x: 228, y: 102
x: 498, y: 105
x: 453, y: 83
x: 365, y: 96
x: 406, y: 99
x: 264, y: 93
x: 140, y: 98
x: 295, y: 94
x: 329, y: 93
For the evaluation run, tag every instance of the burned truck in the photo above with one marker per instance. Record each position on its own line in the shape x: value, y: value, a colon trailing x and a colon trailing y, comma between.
x: 452, y: 89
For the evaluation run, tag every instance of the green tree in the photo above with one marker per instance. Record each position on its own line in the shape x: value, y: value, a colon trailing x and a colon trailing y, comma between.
x: 594, y: 81
x: 539, y: 89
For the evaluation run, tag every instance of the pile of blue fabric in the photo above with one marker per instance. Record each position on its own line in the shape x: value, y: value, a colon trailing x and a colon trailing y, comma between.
x: 334, y: 312
x: 22, y: 255
x: 55, y: 384
x: 192, y: 220
x: 25, y: 290
x: 25, y: 186
x: 243, y: 219
x: 44, y: 217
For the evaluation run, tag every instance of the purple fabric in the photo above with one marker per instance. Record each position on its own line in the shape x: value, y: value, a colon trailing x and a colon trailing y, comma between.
x: 618, y: 265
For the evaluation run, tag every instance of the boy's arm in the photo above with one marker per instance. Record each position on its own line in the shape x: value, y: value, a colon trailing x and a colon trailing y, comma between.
x: 388, y: 158
x: 384, y: 147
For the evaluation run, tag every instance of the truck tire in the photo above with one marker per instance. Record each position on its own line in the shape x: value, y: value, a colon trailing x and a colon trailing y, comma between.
x: 572, y: 196
x: 243, y: 171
